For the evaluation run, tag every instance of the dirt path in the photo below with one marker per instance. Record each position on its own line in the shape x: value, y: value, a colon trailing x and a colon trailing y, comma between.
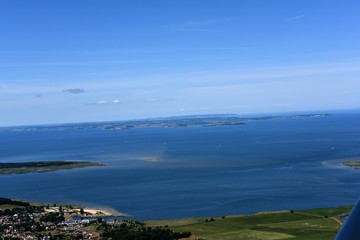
x: 337, y: 220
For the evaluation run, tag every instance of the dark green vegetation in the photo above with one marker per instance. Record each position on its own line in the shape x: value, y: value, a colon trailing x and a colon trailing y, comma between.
x: 42, y: 166
x: 138, y: 232
x: 14, y: 203
x: 308, y: 224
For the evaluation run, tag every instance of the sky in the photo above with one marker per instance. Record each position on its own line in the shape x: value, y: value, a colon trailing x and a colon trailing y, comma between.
x: 65, y: 61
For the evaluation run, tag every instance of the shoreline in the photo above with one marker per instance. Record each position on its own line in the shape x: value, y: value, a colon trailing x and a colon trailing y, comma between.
x: 318, y: 223
x: 73, y: 209
x: 103, y: 211
x: 7, y: 168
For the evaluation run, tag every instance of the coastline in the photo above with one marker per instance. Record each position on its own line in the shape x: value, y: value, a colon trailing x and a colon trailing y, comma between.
x: 71, y: 209
x: 96, y: 223
x: 7, y: 168
x: 108, y: 212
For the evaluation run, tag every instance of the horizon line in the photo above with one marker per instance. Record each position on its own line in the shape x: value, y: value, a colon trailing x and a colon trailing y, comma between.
x: 324, y: 111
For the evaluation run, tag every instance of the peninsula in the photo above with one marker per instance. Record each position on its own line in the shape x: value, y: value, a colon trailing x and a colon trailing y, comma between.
x: 43, y: 166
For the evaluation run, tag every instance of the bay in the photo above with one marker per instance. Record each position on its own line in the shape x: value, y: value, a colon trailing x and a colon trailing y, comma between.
x: 164, y: 173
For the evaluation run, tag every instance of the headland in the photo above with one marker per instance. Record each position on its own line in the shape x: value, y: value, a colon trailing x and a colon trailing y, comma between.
x: 43, y: 166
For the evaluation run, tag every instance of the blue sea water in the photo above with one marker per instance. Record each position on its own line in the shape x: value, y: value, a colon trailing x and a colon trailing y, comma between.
x: 163, y: 173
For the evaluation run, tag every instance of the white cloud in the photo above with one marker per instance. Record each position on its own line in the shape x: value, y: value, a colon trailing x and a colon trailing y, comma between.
x: 294, y: 18
x: 101, y: 102
x: 162, y: 86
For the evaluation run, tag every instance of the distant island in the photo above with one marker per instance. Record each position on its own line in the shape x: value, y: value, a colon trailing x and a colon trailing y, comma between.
x: 213, y: 120
x: 43, y: 166
x: 353, y: 164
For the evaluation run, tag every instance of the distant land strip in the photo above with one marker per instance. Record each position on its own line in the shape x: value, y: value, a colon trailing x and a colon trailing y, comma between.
x: 43, y: 166
x: 353, y: 164
x: 214, y: 120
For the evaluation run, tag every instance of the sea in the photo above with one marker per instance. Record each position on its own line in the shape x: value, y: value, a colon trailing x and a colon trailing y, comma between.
x: 167, y: 173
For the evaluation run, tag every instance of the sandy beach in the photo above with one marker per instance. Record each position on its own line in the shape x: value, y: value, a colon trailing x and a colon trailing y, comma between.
x: 103, y: 212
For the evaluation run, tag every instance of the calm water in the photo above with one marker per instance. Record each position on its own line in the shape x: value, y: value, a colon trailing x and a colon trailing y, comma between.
x: 194, y: 171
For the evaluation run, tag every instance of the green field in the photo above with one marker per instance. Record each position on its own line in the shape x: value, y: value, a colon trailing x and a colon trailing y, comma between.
x: 43, y: 166
x: 314, y: 224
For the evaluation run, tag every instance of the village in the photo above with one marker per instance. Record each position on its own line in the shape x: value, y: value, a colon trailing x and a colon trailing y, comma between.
x: 21, y: 220
x: 55, y: 222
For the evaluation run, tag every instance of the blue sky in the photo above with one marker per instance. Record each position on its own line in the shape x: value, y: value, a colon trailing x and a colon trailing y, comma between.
x: 91, y: 60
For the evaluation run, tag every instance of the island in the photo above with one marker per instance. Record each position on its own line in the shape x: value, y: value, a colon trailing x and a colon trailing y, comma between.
x: 43, y: 166
x: 353, y: 164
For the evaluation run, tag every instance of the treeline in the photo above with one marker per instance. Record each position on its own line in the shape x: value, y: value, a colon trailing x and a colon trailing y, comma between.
x: 37, y: 164
x: 53, y: 217
x: 8, y: 201
x: 144, y: 234
x: 23, y: 210
x: 135, y: 230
